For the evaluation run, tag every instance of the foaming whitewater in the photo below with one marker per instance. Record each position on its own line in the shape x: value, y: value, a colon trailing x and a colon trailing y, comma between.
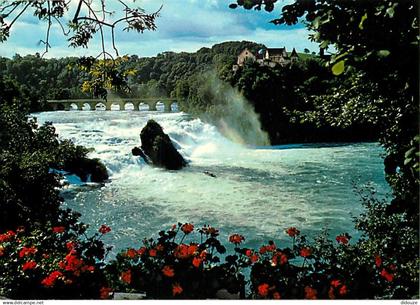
x: 256, y: 192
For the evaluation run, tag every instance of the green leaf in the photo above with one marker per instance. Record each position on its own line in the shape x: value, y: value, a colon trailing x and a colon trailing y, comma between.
x: 364, y: 17
x: 390, y: 12
x: 338, y: 68
x: 383, y: 53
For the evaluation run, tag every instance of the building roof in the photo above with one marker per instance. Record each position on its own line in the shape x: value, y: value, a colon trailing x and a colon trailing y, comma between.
x: 294, y: 53
x: 277, y: 51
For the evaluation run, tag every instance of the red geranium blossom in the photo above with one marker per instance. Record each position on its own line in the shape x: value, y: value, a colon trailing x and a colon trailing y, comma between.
x: 176, y: 289
x: 152, y: 252
x: 27, y: 251
x: 141, y: 251
x: 386, y: 275
x: 7, y: 236
x: 268, y: 248
x: 168, y: 271
x: 104, y: 229
x: 305, y: 252
x: 378, y: 261
x: 343, y: 290
x: 342, y: 239
x: 236, y: 239
x: 70, y: 245
x: 131, y: 253
x: 29, y: 265
x: 184, y: 251
x: 335, y: 283
x: 50, y: 280
x: 60, y: 229
x: 279, y: 258
x: 310, y: 293
x: 292, y: 232
x: 263, y: 290
x: 104, y: 293
x: 197, y: 262
x: 126, y: 276
x: 187, y: 228
x: 276, y: 296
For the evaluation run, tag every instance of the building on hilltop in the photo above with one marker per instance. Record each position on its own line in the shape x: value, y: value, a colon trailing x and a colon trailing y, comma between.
x: 267, y: 57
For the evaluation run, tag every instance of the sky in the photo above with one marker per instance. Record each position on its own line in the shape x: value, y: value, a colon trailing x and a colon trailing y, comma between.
x: 183, y: 25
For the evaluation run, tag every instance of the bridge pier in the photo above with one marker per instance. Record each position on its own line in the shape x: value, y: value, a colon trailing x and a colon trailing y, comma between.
x: 152, y: 106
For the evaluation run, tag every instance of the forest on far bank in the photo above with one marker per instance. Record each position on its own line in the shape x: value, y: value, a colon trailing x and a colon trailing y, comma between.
x: 295, y: 103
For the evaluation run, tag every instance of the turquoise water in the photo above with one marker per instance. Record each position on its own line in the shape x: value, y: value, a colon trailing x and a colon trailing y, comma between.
x: 257, y: 192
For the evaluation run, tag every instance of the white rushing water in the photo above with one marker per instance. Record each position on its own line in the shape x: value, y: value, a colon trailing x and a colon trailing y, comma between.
x: 257, y: 192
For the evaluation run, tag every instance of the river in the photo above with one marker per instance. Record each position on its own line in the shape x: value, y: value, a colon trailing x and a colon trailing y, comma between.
x: 257, y: 192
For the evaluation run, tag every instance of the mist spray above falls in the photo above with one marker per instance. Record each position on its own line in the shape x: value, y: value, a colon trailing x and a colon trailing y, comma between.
x: 233, y: 114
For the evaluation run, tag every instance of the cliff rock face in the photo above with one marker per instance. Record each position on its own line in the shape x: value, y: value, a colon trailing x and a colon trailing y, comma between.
x: 158, y: 147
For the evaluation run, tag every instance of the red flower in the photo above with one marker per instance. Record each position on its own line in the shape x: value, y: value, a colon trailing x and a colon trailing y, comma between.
x: 342, y: 239
x: 210, y: 231
x: 335, y: 283
x: 152, y: 252
x: 279, y: 258
x: 104, y: 229
x: 305, y: 252
x: 141, y: 251
x: 7, y: 236
x: 1, y: 250
x: 20, y: 229
x: 168, y: 271
x: 176, y: 289
x: 70, y: 245
x: 58, y: 229
x: 197, y: 262
x: 386, y: 275
x: 29, y: 265
x: 254, y: 258
x: 131, y: 253
x: 263, y: 290
x: 104, y: 293
x: 292, y: 232
x: 343, y: 290
x: 268, y: 248
x: 378, y: 261
x: 236, y: 239
x: 276, y: 296
x: 310, y: 293
x: 27, y: 251
x: 173, y: 227
x: 50, y: 280
x: 331, y: 294
x: 187, y: 228
x: 248, y: 253
x: 183, y: 251
x: 126, y: 277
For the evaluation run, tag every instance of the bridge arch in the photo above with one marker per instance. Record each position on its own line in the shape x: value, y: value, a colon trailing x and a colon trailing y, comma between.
x: 129, y: 106
x: 160, y: 106
x: 74, y: 106
x: 144, y: 106
x: 174, y: 106
x: 86, y: 106
x: 100, y: 106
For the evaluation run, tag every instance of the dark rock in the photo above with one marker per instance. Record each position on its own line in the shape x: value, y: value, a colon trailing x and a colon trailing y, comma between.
x: 159, y: 148
x: 136, y: 151
x: 209, y: 174
x: 83, y: 167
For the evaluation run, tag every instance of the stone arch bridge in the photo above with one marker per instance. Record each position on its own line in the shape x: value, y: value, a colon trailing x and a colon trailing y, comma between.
x: 67, y: 104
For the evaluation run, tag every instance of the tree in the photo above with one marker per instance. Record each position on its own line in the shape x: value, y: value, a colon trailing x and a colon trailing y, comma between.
x: 86, y: 22
x: 306, y: 50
